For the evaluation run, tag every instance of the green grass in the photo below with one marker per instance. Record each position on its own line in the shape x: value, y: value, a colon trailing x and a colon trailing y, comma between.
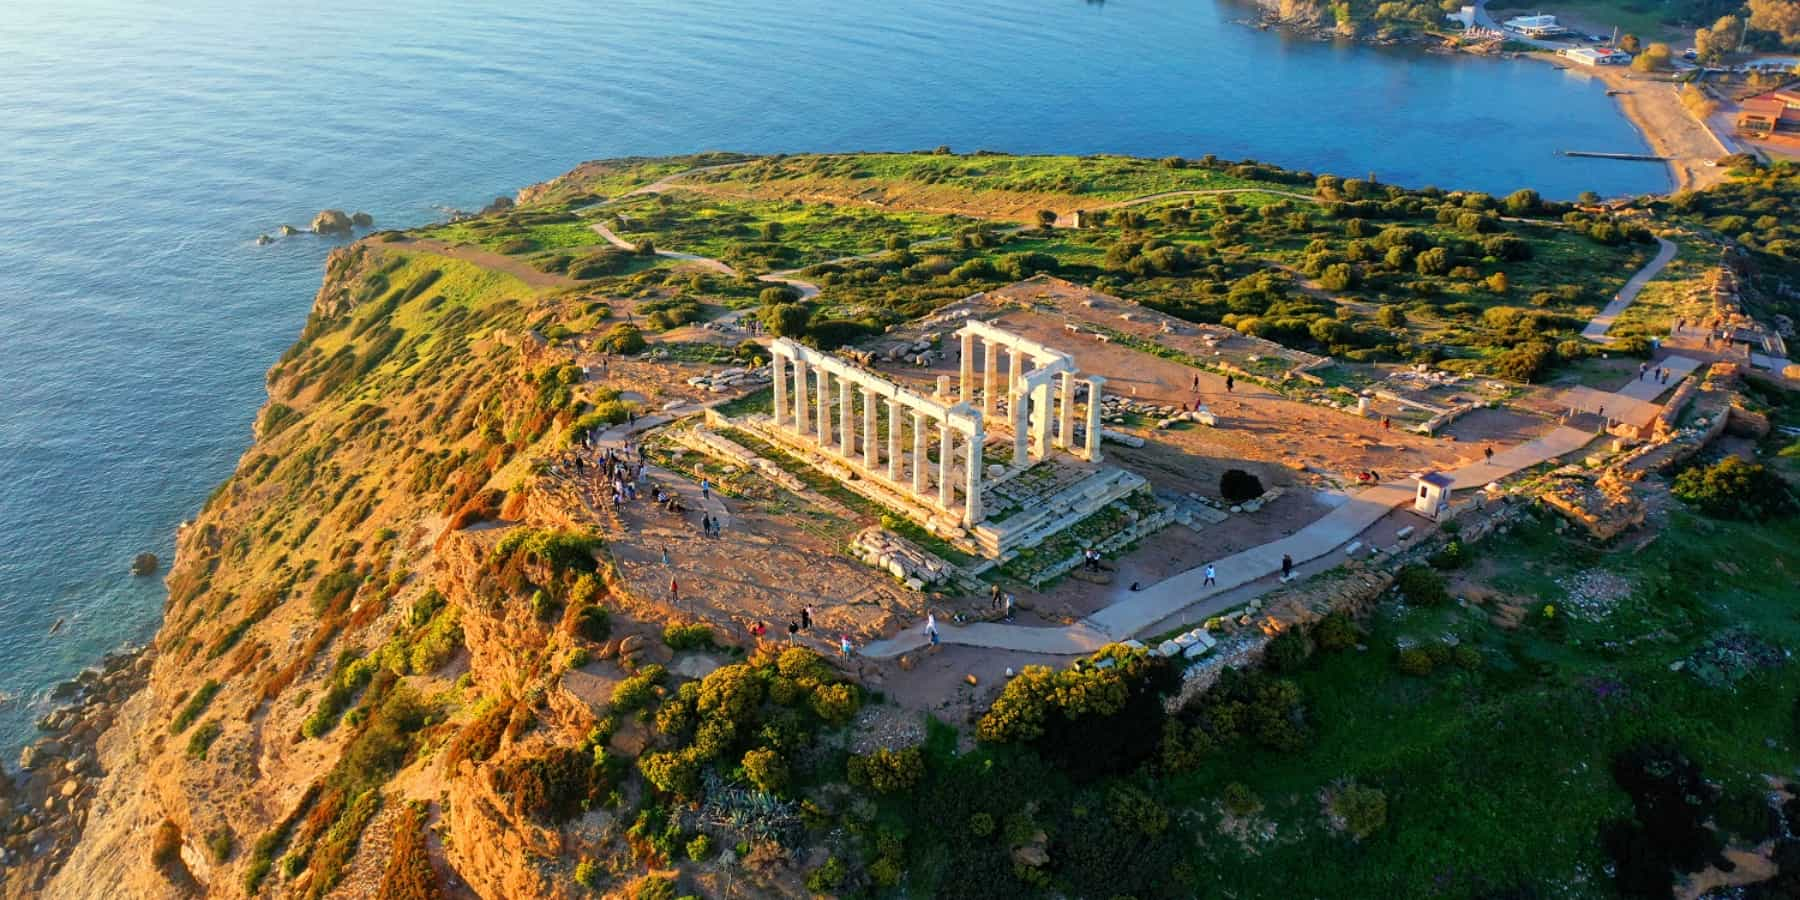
x: 1499, y: 777
x: 734, y: 230
x: 537, y: 237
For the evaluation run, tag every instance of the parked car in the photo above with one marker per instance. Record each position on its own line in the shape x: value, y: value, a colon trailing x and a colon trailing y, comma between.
x: 1690, y: 53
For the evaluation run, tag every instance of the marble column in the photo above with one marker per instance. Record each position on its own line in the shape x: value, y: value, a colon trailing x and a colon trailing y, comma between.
x: 1093, y: 418
x: 918, y: 454
x: 824, y: 408
x: 800, y: 396
x: 1041, y: 411
x: 968, y: 367
x: 846, y: 418
x: 1021, y: 428
x: 990, y: 364
x: 1065, y: 431
x: 871, y: 438
x: 893, y: 471
x: 946, y: 452
x: 778, y: 378
x: 1018, y: 370
x: 972, y: 511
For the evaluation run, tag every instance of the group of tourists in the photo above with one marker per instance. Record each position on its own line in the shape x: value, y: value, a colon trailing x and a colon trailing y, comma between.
x: 760, y: 629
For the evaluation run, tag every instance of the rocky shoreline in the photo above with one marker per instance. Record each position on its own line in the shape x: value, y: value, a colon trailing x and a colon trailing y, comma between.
x: 44, y: 804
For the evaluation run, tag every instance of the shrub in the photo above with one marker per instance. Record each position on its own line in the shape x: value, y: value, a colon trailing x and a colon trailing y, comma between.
x: 1415, y: 662
x: 637, y: 691
x: 785, y: 319
x: 835, y: 703
x: 699, y: 848
x: 202, y: 739
x: 1734, y: 489
x: 766, y: 770
x: 598, y: 264
x: 165, y: 848
x: 1336, y: 632
x: 219, y: 844
x: 1466, y: 657
x: 1421, y: 586
x: 592, y: 622
x: 673, y: 772
x: 687, y: 637
x: 828, y: 877
x: 409, y: 875
x: 623, y: 339
x: 1289, y: 651
x: 1237, y: 486
x: 886, y: 771
x: 1525, y: 363
x: 1363, y: 810
x: 1453, y: 555
x: 1240, y: 800
x: 195, y: 705
x: 653, y: 887
x: 588, y: 873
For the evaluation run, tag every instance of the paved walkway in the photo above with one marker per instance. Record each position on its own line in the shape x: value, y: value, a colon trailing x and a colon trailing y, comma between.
x: 1596, y: 329
x: 1188, y: 590
x: 1649, y: 387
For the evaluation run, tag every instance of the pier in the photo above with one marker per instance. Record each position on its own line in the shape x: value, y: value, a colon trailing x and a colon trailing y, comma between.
x: 1634, y: 157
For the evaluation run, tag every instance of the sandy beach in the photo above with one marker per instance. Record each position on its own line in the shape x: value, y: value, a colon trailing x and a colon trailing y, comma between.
x: 1654, y: 106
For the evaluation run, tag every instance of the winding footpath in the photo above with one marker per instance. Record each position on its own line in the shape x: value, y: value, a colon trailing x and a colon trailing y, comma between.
x: 1596, y: 329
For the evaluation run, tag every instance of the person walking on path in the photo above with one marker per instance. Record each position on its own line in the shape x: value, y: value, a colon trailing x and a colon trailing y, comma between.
x: 931, y: 628
x: 1230, y: 383
x: 844, y: 646
x: 1488, y: 452
x: 793, y: 632
x: 1211, y: 576
x: 706, y: 489
x: 806, y: 618
x: 674, y: 590
x: 665, y: 554
x: 994, y: 596
x: 1287, y: 567
x: 1009, y: 606
x: 1387, y: 424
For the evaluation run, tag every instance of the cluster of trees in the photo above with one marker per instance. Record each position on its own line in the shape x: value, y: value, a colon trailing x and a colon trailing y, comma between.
x: 1734, y: 488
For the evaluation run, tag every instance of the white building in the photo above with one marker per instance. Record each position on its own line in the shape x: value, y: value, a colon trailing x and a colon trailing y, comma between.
x: 1596, y: 56
x: 1535, y: 26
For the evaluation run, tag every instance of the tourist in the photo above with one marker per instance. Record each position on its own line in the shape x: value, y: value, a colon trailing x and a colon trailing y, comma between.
x: 793, y: 632
x: 1387, y: 424
x: 1135, y: 587
x: 994, y: 596
x: 844, y: 646
x: 705, y: 525
x: 1665, y: 375
x: 665, y: 554
x: 931, y: 628
x: 1287, y: 567
x: 806, y: 618
x: 1643, y: 369
x: 1680, y: 325
x: 1230, y: 383
x: 1196, y: 382
x: 1009, y: 606
x: 1488, y: 452
x: 757, y: 630
x: 674, y: 591
x: 706, y: 489
x: 1211, y: 576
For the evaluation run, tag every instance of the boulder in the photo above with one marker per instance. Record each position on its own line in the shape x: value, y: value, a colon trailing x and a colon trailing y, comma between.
x: 361, y: 219
x: 263, y: 240
x: 331, y: 221
x: 144, y: 564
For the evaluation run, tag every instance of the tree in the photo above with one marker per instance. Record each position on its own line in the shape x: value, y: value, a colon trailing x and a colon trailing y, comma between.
x: 1712, y: 44
x: 1734, y: 489
x: 1363, y: 810
x: 1523, y: 202
x: 766, y: 770
x: 1435, y: 261
x: 1046, y: 218
x: 623, y: 339
x: 1629, y: 43
x: 1779, y: 16
x: 1655, y: 58
x: 786, y: 319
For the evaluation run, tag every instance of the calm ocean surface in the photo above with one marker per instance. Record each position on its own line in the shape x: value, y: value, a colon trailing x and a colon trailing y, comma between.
x: 144, y: 146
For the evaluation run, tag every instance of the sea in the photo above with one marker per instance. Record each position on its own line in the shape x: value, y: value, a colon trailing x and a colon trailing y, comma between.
x: 145, y: 145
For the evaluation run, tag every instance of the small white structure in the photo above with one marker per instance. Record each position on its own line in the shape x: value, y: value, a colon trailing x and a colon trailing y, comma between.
x: 1433, y: 495
x: 1539, y: 26
x: 1596, y: 56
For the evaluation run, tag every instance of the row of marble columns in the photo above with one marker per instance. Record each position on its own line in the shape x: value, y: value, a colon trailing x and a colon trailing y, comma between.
x: 1029, y: 396
x: 804, y: 405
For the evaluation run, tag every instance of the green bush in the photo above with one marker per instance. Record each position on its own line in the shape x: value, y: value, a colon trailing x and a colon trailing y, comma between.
x: 202, y: 739
x: 219, y: 844
x: 766, y: 770
x: 195, y: 705
x: 623, y: 339
x: 835, y: 703
x: 592, y: 622
x: 1421, y: 586
x: 1525, y: 363
x: 588, y: 873
x: 1240, y: 800
x: 1734, y: 489
x: 886, y: 771
x: 1415, y: 662
x: 653, y: 887
x: 637, y: 691
x: 699, y: 848
x: 828, y: 877
x: 1362, y: 809
x: 673, y: 772
x: 691, y: 636
x: 1453, y: 555
x: 1336, y: 632
x: 1289, y: 651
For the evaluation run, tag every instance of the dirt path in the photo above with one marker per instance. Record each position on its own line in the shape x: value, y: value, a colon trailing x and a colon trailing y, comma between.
x: 806, y: 288
x: 488, y: 259
x: 1596, y: 329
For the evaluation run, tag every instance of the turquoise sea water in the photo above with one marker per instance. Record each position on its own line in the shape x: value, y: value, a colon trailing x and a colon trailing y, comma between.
x: 143, y: 147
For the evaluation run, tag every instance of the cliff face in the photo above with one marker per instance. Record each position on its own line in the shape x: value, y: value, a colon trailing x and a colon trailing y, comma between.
x: 334, y: 619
